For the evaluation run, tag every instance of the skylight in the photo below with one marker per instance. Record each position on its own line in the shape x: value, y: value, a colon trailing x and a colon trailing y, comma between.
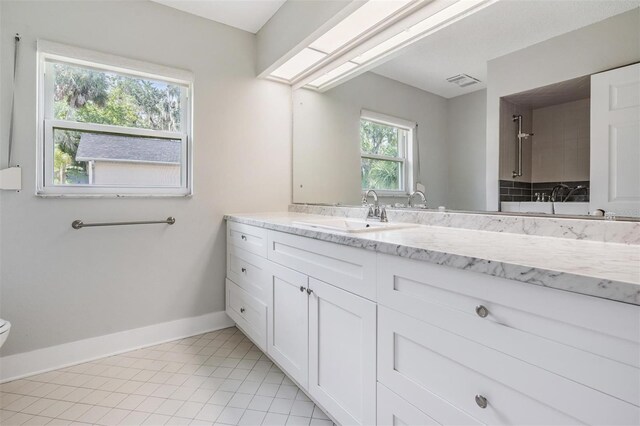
x: 430, y: 24
x: 372, y: 32
x: 363, y: 20
x: 294, y: 66
x: 353, y: 26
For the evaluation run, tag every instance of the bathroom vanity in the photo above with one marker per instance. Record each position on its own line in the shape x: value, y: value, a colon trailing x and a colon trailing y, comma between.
x: 441, y: 325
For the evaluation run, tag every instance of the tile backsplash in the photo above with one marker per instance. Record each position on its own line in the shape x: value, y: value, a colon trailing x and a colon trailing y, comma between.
x: 525, y: 191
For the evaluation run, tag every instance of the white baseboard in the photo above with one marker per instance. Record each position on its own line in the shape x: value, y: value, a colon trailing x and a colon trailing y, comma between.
x: 25, y: 364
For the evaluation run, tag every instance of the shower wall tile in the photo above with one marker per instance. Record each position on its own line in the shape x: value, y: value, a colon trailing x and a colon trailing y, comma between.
x: 561, y: 143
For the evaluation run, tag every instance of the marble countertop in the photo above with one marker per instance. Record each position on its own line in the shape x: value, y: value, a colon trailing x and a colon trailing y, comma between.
x: 601, y: 269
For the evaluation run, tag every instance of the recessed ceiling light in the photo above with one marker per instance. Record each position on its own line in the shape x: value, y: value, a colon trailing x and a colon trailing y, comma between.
x: 297, y: 64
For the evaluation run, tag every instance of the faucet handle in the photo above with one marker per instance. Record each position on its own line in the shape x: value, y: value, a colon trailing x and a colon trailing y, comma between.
x: 383, y: 214
x: 370, y: 213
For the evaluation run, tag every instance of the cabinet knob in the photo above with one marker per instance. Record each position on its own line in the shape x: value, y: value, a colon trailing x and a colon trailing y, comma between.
x: 482, y: 311
x: 309, y: 291
x: 243, y: 269
x: 481, y: 401
x: 244, y: 237
x: 302, y: 288
x: 242, y: 310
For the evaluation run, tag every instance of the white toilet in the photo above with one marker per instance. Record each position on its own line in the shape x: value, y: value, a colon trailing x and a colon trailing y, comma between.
x: 5, y: 326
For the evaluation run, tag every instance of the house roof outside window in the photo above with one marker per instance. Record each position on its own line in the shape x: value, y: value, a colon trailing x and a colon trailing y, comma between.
x: 114, y: 148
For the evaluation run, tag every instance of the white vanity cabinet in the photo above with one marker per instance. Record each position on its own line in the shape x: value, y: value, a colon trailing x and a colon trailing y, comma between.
x: 288, y: 322
x: 342, y: 353
x: 320, y: 325
x: 382, y: 339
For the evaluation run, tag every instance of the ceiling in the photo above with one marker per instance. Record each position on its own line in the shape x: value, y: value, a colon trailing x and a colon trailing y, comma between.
x: 248, y: 15
x: 554, y: 94
x: 501, y: 28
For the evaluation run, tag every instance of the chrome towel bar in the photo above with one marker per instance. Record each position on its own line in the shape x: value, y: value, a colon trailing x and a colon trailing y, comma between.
x: 78, y: 224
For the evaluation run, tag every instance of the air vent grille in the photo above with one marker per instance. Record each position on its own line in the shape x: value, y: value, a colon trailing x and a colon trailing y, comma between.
x: 463, y: 80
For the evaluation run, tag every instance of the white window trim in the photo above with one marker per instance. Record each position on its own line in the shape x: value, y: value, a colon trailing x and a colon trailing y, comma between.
x: 407, y: 150
x: 78, y: 56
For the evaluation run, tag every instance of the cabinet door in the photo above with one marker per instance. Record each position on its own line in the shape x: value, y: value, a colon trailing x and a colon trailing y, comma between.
x: 342, y: 353
x: 288, y: 322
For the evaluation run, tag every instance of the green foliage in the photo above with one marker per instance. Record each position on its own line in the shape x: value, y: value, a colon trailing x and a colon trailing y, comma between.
x: 379, y: 139
x: 91, y: 96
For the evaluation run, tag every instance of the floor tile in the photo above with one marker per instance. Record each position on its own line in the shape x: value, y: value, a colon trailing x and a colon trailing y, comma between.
x: 319, y: 414
x: 114, y: 417
x: 94, y: 414
x: 320, y: 422
x: 281, y: 406
x: 260, y: 403
x: 156, y: 420
x: 135, y: 418
x: 230, y: 416
x: 169, y: 407
x: 210, y: 412
x: 268, y: 389
x: 217, y: 378
x: 150, y: 404
x: 240, y: 400
x: 274, y: 419
x: 302, y: 408
x: 298, y: 421
x: 189, y: 409
x: 75, y: 411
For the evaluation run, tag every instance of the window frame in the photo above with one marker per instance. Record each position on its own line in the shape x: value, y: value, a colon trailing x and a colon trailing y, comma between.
x: 45, y: 187
x: 405, y: 151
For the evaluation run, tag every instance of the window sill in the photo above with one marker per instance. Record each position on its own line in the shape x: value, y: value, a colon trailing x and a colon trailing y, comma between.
x: 142, y: 195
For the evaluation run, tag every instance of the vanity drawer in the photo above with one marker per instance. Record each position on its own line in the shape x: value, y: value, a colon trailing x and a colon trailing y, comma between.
x: 247, y: 237
x: 249, y: 313
x: 434, y: 293
x: 248, y: 270
x: 348, y: 268
x: 394, y: 411
x: 420, y: 362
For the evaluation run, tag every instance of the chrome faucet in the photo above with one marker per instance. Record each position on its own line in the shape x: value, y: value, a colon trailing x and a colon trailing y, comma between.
x: 421, y: 194
x: 374, y: 211
x: 574, y: 190
x: 556, y: 189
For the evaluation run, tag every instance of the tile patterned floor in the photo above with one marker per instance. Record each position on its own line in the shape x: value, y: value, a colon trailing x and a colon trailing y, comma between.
x: 214, y: 378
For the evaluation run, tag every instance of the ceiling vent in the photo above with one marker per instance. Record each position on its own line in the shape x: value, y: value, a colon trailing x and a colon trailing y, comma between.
x: 463, y: 80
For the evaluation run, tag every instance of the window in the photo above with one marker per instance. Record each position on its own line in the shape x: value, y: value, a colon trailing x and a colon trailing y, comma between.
x: 386, y: 152
x: 111, y: 126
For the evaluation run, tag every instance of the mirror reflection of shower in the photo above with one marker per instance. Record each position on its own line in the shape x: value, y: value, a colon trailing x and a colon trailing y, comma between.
x: 520, y: 136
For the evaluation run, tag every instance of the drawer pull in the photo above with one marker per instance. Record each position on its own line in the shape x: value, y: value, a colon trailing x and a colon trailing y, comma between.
x: 309, y: 291
x: 244, y: 270
x: 244, y: 237
x: 481, y: 401
x: 242, y: 312
x: 302, y: 288
x: 482, y: 312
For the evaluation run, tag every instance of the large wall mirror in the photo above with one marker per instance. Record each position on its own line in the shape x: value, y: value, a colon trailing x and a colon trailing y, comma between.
x: 524, y: 106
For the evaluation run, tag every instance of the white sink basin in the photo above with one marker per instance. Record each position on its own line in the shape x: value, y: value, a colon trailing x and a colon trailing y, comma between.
x: 572, y: 208
x: 352, y: 225
x: 536, y: 207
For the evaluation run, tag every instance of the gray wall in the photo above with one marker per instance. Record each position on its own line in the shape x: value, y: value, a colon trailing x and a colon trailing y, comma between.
x: 59, y: 285
x: 326, y: 137
x: 608, y: 44
x: 466, y: 133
